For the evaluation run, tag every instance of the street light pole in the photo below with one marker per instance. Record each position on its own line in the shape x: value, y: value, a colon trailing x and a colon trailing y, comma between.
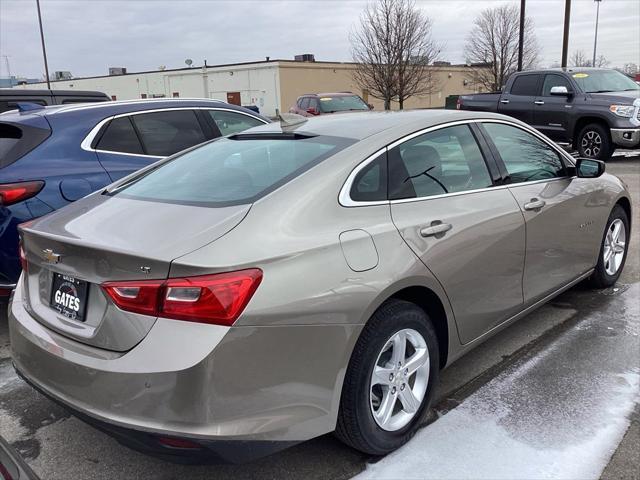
x: 595, y: 40
x: 521, y: 37
x: 565, y: 36
x: 44, y: 51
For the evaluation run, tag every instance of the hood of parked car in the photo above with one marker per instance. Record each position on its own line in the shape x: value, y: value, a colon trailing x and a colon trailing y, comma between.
x: 626, y: 97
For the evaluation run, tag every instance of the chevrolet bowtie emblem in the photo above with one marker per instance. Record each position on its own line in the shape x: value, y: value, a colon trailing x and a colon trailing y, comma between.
x: 50, y: 256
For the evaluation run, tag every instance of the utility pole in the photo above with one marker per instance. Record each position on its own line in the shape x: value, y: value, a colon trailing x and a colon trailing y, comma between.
x: 521, y: 38
x: 44, y: 51
x: 565, y: 36
x: 595, y: 40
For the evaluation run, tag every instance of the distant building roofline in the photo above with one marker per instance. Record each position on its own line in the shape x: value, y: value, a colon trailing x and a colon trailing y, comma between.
x: 240, y: 64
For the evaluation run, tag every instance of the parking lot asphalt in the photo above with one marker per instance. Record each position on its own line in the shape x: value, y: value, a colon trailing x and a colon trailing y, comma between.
x: 59, y: 446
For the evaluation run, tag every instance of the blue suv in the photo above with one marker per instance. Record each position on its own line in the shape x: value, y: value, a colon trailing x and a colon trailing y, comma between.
x: 51, y: 156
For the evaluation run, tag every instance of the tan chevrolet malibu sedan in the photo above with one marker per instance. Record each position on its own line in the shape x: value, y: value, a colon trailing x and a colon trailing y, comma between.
x: 304, y: 277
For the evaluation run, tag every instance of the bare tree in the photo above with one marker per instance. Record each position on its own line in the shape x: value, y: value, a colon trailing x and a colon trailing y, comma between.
x: 579, y: 59
x: 492, y: 45
x: 601, y: 61
x: 393, y: 49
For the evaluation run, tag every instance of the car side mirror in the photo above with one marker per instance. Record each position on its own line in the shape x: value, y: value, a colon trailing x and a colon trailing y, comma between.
x: 312, y: 111
x: 561, y: 91
x: 589, y: 168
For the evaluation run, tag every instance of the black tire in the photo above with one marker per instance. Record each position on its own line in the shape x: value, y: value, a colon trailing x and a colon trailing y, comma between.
x: 356, y: 426
x: 600, y: 278
x: 594, y: 141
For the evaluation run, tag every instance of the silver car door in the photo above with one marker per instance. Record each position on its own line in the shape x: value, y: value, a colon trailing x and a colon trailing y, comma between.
x: 469, y: 234
x: 563, y: 232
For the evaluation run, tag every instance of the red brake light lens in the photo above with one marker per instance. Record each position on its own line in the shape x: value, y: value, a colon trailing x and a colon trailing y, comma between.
x: 135, y: 296
x: 218, y: 299
x: 11, y: 193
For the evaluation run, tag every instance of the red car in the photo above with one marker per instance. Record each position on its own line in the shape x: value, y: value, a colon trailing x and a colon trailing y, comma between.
x: 322, y: 103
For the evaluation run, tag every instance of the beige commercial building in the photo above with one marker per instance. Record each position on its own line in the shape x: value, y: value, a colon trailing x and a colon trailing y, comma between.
x: 271, y: 85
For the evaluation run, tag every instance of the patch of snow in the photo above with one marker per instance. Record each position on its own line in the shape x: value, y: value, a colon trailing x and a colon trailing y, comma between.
x: 559, y: 414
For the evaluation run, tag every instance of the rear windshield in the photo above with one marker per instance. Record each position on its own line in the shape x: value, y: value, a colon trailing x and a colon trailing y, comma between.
x: 18, y: 140
x: 231, y: 171
x: 342, y: 103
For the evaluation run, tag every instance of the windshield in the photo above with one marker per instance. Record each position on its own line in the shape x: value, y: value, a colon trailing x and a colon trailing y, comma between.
x: 343, y: 103
x: 231, y: 171
x: 600, y: 81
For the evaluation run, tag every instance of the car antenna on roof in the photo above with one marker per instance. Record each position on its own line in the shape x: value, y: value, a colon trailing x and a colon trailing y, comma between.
x: 288, y: 121
x: 28, y: 107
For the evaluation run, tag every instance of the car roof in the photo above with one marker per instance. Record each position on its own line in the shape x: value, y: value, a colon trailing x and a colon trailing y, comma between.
x: 100, y: 110
x: 360, y: 125
x: 565, y: 69
x: 20, y: 92
x: 329, y: 94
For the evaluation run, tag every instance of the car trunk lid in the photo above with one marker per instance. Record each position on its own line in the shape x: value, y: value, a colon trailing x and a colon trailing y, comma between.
x: 108, y: 239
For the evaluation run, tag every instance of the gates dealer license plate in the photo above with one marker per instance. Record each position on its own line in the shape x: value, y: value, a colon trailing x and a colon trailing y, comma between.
x: 69, y: 296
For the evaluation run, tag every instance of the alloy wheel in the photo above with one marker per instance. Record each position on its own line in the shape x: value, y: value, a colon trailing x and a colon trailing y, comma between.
x: 591, y: 143
x: 399, y: 380
x: 614, y: 247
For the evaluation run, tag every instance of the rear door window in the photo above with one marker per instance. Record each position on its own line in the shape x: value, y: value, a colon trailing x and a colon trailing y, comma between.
x: 120, y: 136
x: 231, y: 122
x: 444, y: 161
x: 165, y: 133
x: 526, y: 85
x: 231, y: 171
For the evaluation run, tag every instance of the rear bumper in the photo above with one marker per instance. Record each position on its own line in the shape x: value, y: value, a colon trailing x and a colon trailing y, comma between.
x: 219, y: 386
x: 626, y: 137
x: 210, y: 451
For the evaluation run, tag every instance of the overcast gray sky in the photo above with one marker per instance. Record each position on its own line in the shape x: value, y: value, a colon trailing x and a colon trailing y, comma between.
x: 87, y: 36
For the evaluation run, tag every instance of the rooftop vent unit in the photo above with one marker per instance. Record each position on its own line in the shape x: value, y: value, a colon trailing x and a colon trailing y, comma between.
x: 117, y: 71
x: 62, y: 75
x: 305, y: 57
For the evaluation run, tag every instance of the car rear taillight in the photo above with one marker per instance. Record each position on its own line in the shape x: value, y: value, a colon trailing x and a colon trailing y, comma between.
x: 11, y: 193
x: 218, y: 299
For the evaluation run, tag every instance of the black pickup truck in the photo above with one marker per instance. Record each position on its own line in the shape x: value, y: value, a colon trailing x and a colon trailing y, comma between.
x: 10, y: 97
x: 596, y: 110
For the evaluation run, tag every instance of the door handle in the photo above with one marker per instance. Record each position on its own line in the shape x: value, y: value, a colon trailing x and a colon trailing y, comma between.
x: 504, y: 101
x: 534, y: 204
x: 539, y: 102
x: 436, y: 229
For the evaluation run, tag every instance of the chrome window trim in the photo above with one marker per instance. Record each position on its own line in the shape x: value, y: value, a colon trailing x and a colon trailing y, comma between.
x: 345, y: 192
x: 88, y: 140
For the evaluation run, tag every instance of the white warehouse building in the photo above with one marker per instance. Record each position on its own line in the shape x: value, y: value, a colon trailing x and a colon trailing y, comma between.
x: 271, y: 85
